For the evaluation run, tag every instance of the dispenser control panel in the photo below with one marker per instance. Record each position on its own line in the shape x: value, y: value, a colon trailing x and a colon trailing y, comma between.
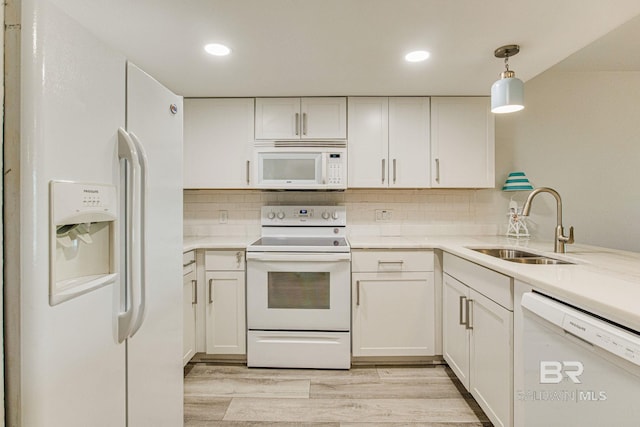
x: 75, y: 202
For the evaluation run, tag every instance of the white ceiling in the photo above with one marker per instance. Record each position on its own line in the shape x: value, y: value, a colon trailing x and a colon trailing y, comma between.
x: 350, y: 47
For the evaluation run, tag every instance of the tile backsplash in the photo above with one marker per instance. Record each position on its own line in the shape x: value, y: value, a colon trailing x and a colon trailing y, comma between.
x: 412, y: 212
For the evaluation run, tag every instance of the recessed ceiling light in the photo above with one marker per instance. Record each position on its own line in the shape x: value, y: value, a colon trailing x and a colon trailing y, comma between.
x: 417, y: 56
x: 217, y: 49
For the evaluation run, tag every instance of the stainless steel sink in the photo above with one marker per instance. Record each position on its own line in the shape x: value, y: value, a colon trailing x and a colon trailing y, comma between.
x: 538, y: 260
x: 521, y: 257
x: 505, y: 253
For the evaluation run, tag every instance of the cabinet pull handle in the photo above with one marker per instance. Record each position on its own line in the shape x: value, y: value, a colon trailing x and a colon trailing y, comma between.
x: 462, y: 301
x: 438, y: 170
x: 297, y: 123
x: 189, y: 263
x: 469, y: 310
x: 390, y: 262
x: 394, y: 171
x: 357, y: 292
x: 304, y: 123
x: 194, y: 284
x: 384, y: 162
x: 210, y: 291
x: 248, y: 172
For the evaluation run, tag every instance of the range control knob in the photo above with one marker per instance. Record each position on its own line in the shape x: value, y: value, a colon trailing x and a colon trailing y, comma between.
x: 280, y: 215
x: 334, y: 215
x: 271, y: 215
x: 325, y: 215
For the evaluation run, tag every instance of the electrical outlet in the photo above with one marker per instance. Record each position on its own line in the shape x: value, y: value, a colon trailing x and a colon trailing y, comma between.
x: 224, y: 217
x: 383, y: 215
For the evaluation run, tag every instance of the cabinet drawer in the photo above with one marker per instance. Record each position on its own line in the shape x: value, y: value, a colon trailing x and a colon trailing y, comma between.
x: 491, y: 284
x: 188, y: 262
x: 391, y: 261
x: 224, y: 260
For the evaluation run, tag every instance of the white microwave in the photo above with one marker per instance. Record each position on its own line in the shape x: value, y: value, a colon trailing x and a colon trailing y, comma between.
x: 300, y: 168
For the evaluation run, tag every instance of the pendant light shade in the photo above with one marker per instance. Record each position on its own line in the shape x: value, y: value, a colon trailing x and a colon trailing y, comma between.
x: 507, y: 94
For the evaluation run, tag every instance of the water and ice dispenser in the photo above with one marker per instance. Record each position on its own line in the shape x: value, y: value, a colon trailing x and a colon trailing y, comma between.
x: 83, y: 254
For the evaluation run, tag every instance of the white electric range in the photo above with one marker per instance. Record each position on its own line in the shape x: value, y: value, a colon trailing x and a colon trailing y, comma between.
x: 298, y: 289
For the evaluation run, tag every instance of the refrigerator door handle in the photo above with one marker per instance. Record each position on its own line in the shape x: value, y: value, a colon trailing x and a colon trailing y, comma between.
x: 127, y: 152
x: 142, y: 158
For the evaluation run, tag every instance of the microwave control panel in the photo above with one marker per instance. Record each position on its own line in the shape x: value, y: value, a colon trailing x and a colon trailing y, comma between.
x: 335, y: 169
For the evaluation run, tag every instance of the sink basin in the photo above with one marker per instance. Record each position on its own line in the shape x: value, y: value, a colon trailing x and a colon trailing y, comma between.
x: 521, y: 257
x: 538, y: 260
x: 505, y: 253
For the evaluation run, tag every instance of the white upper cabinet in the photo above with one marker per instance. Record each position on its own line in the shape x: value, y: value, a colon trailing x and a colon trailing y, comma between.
x: 218, y: 139
x: 409, y: 144
x: 368, y: 146
x: 389, y: 142
x: 462, y: 143
x: 301, y: 118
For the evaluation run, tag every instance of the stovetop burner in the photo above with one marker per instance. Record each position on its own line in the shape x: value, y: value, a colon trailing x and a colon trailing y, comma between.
x: 299, y: 244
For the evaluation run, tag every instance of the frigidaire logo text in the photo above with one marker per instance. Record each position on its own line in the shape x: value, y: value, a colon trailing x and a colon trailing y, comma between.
x: 575, y: 325
x: 91, y: 191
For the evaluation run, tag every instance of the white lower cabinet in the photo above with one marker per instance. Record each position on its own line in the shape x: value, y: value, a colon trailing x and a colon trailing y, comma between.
x: 189, y: 305
x: 225, y: 302
x: 478, y: 334
x: 393, y: 303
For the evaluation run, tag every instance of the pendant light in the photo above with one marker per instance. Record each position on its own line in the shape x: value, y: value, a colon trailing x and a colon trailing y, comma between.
x: 507, y: 94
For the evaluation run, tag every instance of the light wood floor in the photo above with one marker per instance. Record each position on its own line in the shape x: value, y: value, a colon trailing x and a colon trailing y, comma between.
x: 218, y: 395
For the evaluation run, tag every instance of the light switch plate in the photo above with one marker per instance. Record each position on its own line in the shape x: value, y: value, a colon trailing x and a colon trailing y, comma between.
x: 224, y: 217
x: 383, y: 214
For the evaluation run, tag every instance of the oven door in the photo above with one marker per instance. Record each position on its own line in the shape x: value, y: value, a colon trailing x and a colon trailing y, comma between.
x: 298, y: 291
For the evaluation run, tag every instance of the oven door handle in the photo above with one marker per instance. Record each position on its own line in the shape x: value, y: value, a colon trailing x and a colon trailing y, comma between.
x: 298, y: 256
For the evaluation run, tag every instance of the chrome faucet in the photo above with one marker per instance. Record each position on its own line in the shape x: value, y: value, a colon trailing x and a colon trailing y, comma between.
x: 561, y: 239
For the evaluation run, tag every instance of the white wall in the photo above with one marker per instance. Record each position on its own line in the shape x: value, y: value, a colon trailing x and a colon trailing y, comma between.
x: 579, y: 134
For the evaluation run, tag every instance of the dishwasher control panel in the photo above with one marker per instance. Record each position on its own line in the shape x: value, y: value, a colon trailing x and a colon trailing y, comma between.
x: 604, y: 336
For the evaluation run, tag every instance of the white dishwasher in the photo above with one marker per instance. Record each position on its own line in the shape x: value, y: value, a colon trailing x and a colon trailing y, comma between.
x: 580, y: 369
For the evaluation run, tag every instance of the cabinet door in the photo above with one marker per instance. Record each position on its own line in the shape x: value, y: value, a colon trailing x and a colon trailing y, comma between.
x: 409, y: 147
x: 225, y: 313
x: 455, y: 336
x: 368, y: 147
x: 462, y: 141
x: 218, y: 135
x: 491, y: 358
x: 393, y: 314
x: 278, y: 118
x: 189, y: 320
x: 323, y: 118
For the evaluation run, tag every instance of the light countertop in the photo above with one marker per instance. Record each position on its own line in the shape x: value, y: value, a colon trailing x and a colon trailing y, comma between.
x: 603, y: 281
x: 217, y: 242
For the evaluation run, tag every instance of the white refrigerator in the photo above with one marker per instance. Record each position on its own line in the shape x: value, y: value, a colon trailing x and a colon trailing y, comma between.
x: 82, y: 349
